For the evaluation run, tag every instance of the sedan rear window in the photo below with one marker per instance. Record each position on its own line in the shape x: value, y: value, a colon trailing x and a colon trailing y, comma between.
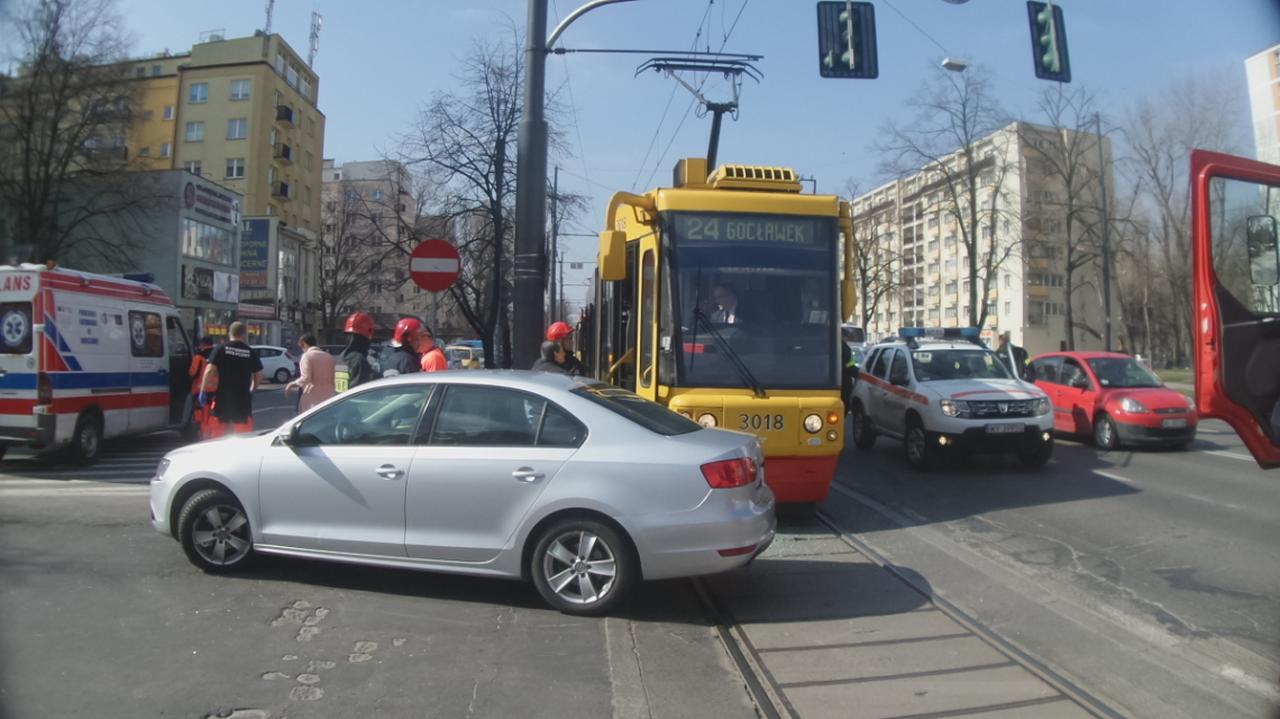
x: 650, y: 415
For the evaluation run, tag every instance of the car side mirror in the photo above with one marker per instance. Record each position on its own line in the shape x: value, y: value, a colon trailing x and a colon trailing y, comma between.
x: 295, y: 438
x: 1264, y: 263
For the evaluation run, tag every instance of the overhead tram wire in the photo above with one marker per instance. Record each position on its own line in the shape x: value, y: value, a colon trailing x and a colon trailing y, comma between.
x: 919, y: 29
x: 573, y: 108
x: 694, y: 102
x: 676, y: 88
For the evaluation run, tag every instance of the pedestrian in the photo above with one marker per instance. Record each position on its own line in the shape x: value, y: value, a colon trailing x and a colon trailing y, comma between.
x: 433, y: 359
x: 551, y: 358
x: 315, y: 374
x: 200, y: 414
x: 562, y: 334
x: 355, y: 369
x: 403, y: 358
x: 237, y: 372
x: 1015, y: 358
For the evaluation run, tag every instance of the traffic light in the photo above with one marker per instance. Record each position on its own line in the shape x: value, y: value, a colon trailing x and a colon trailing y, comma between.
x: 1049, y: 41
x: 847, y: 40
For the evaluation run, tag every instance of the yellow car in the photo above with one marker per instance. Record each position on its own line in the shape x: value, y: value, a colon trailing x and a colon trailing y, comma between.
x: 464, y: 357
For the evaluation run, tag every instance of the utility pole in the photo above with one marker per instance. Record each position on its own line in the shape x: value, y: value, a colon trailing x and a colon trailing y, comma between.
x: 555, y: 237
x: 560, y: 310
x: 531, y: 196
x: 1106, y: 239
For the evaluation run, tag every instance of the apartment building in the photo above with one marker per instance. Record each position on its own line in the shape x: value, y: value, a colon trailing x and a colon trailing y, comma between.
x: 241, y: 112
x: 913, y: 230
x: 369, y: 210
x: 1263, y: 73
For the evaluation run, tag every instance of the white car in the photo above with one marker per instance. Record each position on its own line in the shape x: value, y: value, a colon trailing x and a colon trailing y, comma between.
x: 948, y: 394
x: 278, y: 364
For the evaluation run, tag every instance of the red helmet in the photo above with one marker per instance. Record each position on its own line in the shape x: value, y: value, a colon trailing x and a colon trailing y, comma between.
x: 360, y: 323
x: 558, y: 331
x: 405, y: 328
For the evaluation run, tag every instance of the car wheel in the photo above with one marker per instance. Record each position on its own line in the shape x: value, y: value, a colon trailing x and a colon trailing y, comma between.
x: 86, y: 440
x: 863, y: 436
x: 1038, y: 456
x: 1104, y: 433
x: 920, y: 454
x: 282, y: 375
x: 214, y: 532
x: 3, y: 449
x: 582, y: 567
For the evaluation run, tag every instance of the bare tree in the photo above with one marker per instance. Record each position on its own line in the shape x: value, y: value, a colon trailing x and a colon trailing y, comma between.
x: 875, y: 263
x: 1160, y: 133
x: 1064, y: 150
x: 64, y: 119
x: 955, y: 142
x: 465, y: 141
x: 348, y: 253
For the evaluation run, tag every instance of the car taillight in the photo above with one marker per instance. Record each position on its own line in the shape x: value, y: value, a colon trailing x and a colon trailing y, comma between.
x: 730, y: 473
x: 44, y: 389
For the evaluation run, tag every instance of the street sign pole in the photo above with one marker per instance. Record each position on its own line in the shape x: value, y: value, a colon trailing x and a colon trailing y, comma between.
x: 531, y: 197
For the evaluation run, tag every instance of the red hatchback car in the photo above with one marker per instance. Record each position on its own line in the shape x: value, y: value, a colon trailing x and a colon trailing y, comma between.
x: 1113, y: 398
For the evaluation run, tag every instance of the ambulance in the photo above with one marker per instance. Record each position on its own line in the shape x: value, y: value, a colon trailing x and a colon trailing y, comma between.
x: 86, y: 357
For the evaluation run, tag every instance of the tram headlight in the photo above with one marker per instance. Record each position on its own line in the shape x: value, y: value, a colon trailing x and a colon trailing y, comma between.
x: 706, y: 419
x: 813, y: 424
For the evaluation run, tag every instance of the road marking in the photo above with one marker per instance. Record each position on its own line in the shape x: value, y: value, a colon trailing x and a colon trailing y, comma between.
x: 1233, y: 455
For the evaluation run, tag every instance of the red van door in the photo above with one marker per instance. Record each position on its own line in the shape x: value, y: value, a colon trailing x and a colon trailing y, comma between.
x: 1235, y: 211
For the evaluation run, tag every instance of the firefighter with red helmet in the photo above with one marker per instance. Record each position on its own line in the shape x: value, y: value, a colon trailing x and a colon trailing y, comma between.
x: 353, y: 369
x: 403, y: 357
x: 562, y: 333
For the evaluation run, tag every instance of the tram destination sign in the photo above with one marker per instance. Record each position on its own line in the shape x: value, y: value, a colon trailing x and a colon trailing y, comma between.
x: 768, y: 229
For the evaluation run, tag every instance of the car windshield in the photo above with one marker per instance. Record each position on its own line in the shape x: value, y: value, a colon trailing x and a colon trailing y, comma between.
x: 1122, y: 372
x: 650, y: 415
x: 936, y: 364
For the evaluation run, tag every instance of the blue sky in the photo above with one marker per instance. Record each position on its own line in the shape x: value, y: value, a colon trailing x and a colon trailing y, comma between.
x: 379, y: 61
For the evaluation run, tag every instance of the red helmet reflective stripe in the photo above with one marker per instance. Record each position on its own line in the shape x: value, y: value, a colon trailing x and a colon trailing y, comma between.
x: 404, y: 328
x: 558, y: 331
x: 360, y: 323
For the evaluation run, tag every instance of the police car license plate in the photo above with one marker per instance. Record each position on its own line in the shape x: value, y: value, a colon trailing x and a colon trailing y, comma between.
x: 1173, y: 423
x: 1004, y: 428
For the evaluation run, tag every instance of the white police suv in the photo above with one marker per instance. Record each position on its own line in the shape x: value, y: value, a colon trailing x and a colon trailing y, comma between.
x: 943, y: 392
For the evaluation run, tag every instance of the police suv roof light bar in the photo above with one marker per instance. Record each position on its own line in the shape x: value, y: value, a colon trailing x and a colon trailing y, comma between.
x: 913, y: 334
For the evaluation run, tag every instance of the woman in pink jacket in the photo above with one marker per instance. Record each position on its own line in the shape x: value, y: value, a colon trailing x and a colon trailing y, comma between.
x: 315, y: 378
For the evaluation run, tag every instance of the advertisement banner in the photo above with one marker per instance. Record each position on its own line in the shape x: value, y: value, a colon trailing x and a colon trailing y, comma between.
x: 255, y: 255
x: 226, y: 287
x: 197, y: 283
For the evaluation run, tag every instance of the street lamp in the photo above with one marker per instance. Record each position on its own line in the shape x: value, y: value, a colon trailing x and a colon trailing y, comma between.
x: 954, y: 64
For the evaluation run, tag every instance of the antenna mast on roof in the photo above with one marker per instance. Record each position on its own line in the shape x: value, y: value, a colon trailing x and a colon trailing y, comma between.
x: 316, y: 21
x: 271, y: 5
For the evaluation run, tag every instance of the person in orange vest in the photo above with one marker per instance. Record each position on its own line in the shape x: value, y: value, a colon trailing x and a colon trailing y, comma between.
x: 433, y: 359
x: 200, y: 414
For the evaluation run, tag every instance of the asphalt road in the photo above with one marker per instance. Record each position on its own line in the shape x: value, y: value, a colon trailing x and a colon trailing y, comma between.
x: 1150, y: 577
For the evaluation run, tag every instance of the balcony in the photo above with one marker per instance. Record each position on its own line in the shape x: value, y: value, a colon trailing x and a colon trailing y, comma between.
x: 284, y: 153
x: 1037, y: 291
x: 284, y: 115
x: 1035, y: 320
x: 281, y: 189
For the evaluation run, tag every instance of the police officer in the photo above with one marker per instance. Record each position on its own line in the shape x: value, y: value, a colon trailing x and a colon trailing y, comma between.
x: 354, y: 369
x: 403, y: 357
x: 1015, y: 358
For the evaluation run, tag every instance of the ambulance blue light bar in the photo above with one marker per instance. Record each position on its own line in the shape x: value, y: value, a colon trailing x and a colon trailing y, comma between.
x: 964, y: 333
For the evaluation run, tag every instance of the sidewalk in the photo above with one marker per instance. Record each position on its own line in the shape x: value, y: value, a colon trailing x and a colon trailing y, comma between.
x: 838, y: 635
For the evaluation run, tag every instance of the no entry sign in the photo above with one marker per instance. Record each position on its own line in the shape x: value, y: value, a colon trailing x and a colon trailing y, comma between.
x: 434, y: 265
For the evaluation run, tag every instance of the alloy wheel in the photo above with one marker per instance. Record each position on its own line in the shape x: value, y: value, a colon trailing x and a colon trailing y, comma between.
x: 580, y: 567
x: 220, y: 535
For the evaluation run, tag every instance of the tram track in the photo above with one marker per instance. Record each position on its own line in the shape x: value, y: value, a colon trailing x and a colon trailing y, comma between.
x: 771, y: 694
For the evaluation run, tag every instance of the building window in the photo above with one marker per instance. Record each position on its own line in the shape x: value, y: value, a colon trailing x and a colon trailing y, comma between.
x: 306, y: 88
x: 166, y: 149
x: 168, y: 112
x: 141, y: 72
x: 235, y: 167
x: 1008, y: 281
x: 195, y: 132
x: 155, y: 70
x: 377, y: 195
x: 291, y: 76
x: 237, y: 128
x: 193, y: 167
x: 147, y: 114
x: 239, y: 89
x: 199, y: 92
x: 144, y: 152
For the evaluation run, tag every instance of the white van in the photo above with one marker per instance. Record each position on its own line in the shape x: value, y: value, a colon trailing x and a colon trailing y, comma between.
x: 87, y: 357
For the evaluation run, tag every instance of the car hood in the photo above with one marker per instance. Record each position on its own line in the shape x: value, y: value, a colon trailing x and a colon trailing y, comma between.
x: 981, y: 389
x: 1152, y: 398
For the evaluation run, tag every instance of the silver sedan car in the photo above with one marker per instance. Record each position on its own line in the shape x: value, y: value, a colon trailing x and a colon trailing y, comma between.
x: 578, y: 486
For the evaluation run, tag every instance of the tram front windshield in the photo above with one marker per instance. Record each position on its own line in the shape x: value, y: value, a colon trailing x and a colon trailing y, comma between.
x: 751, y: 291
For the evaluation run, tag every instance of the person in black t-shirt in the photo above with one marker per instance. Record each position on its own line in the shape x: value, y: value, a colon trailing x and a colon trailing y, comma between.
x: 238, y: 372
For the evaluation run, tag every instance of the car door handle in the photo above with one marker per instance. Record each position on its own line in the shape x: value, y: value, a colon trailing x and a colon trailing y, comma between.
x: 389, y: 471
x: 526, y: 474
